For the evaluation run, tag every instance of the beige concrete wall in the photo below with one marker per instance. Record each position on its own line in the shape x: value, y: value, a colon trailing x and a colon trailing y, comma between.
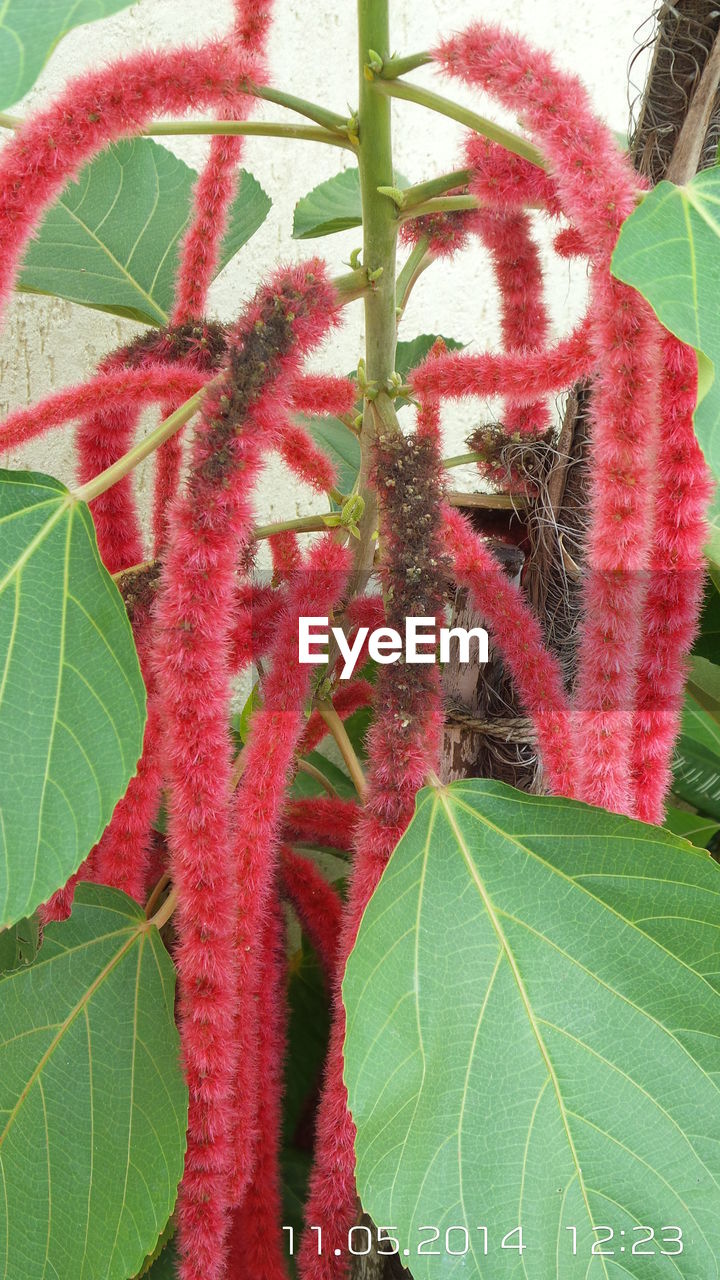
x: 47, y: 343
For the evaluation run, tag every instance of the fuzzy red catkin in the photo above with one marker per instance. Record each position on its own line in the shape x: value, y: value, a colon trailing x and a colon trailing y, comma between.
x: 94, y: 110
x: 403, y: 745
x: 523, y: 314
x: 324, y: 393
x: 317, y: 904
x: 519, y: 375
x: 303, y: 457
x: 209, y: 524
x: 256, y: 1244
x: 275, y: 732
x: 122, y: 855
x: 285, y: 554
x: 517, y: 633
x: 103, y: 437
x: 507, y: 182
x: 597, y: 189
x: 676, y: 577
x: 124, y: 387
x: 400, y: 762
x: 327, y: 821
x: 254, y: 625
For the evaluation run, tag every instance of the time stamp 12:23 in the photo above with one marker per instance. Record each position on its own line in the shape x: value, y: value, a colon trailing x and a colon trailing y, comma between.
x: 608, y: 1242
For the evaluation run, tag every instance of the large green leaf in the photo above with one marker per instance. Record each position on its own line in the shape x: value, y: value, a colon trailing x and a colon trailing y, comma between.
x: 534, y: 1040
x: 669, y: 249
x: 72, y: 700
x: 111, y: 240
x: 29, y: 31
x: 93, y: 1106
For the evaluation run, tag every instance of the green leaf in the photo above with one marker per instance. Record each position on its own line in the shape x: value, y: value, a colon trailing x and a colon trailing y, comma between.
x: 669, y: 249
x: 691, y: 826
x: 707, y: 644
x: 332, y: 206
x: 341, y: 446
x: 72, y: 700
x: 410, y: 354
x: 93, y: 1105
x: 29, y: 31
x: 161, y: 1262
x: 19, y: 944
x: 165, y: 1265
x: 304, y: 785
x: 696, y: 771
x: 111, y: 240
x: 533, y: 1038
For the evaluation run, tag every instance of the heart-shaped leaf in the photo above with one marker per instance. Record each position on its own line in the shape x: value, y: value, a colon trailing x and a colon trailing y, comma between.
x: 72, y: 700
x: 533, y: 1042
x: 93, y: 1105
x: 111, y: 240
x: 29, y: 31
x: 669, y: 249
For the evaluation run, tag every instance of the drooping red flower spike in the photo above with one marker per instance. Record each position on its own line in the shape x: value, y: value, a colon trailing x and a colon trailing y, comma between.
x: 277, y: 726
x: 209, y: 524
x: 129, y: 388
x: 517, y: 632
x: 524, y: 318
x: 96, y: 109
x: 675, y: 587
x: 403, y: 745
x: 257, y: 1246
x: 520, y: 376
x: 317, y: 904
x: 506, y: 182
x: 327, y: 821
x: 121, y: 857
x: 597, y: 190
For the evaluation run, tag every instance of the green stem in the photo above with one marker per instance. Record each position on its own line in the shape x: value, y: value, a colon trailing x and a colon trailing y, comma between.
x: 418, y: 261
x: 320, y: 115
x: 327, y: 712
x: 444, y: 106
x: 460, y: 459
x: 248, y: 128
x: 380, y: 224
x: 110, y: 476
x: 393, y: 67
x: 441, y: 204
x: 301, y: 524
x: 213, y: 128
x: 434, y: 187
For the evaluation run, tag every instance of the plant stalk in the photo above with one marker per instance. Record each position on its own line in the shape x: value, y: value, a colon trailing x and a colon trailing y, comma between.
x: 380, y: 224
x: 434, y: 187
x: 441, y: 204
x: 328, y: 713
x: 110, y: 476
x: 513, y: 142
x: 319, y: 115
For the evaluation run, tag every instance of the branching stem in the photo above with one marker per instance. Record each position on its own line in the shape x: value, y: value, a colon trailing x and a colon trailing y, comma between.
x: 328, y: 713
x: 513, y: 142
